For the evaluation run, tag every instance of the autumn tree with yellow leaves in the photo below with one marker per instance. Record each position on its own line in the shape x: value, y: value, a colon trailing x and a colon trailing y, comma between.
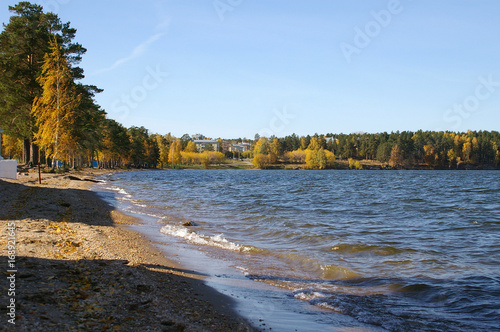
x: 317, y: 157
x: 174, y: 156
x: 55, y: 109
x: 264, y: 156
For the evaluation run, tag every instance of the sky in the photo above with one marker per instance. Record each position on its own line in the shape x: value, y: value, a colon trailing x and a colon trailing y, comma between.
x: 236, y: 68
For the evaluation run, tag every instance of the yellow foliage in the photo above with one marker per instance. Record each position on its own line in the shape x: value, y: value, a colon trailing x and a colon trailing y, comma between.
x: 275, y: 147
x: 214, y: 157
x: 54, y: 110
x: 314, y: 144
x: 295, y: 157
x: 315, y: 159
x: 174, y: 155
x: 205, y: 158
x: 354, y: 164
x: 265, y: 153
x: 191, y: 147
x: 261, y: 161
x: 330, y: 159
x: 430, y: 156
x: 11, y: 147
x: 467, y: 150
x: 188, y: 158
x: 262, y: 146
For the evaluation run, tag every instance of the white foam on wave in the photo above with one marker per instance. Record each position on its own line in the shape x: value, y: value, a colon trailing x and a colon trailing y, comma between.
x: 197, y: 238
x: 327, y: 306
x: 308, y: 296
x: 135, y: 209
x: 242, y: 269
x: 123, y: 192
x: 119, y: 190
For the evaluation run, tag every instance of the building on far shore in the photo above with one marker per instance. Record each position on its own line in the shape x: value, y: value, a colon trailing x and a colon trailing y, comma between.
x: 206, y: 144
x: 219, y: 145
x: 226, y: 146
x: 240, y: 147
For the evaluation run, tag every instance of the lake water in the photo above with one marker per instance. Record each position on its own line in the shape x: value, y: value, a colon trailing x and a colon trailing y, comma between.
x: 349, y: 250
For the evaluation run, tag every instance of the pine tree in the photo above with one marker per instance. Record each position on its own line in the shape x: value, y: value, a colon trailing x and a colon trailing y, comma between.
x: 115, y: 144
x: 23, y: 43
x: 54, y: 110
x: 90, y: 121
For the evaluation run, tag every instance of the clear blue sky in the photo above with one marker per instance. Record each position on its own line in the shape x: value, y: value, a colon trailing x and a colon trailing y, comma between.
x: 233, y: 68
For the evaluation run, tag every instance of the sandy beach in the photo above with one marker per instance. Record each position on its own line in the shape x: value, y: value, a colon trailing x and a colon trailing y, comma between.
x: 70, y: 263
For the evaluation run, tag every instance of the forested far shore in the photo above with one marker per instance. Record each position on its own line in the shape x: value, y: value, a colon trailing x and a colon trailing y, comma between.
x: 50, y: 118
x: 399, y: 150
x: 135, y: 147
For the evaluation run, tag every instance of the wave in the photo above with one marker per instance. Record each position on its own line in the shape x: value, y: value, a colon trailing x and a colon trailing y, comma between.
x: 198, y: 238
x: 410, y: 305
x: 331, y: 271
x: 118, y: 190
x: 372, y: 249
x: 308, y: 295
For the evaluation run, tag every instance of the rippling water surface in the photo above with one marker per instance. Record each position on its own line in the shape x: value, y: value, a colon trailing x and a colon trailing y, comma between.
x: 400, y: 250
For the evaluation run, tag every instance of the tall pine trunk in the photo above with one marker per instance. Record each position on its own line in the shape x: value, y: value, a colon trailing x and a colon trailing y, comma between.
x: 26, y: 151
x: 34, y: 154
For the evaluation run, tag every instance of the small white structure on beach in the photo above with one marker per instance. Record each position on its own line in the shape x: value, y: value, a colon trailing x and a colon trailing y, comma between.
x: 8, y: 168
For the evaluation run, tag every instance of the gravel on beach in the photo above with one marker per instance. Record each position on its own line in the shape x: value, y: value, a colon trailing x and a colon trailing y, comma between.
x: 78, y: 268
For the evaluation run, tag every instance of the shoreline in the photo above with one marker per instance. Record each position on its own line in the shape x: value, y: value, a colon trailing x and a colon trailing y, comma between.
x: 78, y: 266
x: 368, y: 165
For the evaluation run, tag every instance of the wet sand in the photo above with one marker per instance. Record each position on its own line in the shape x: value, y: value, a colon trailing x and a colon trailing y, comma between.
x: 78, y: 266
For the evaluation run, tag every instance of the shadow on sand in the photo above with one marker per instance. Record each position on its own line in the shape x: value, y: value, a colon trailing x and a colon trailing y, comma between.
x: 95, y: 294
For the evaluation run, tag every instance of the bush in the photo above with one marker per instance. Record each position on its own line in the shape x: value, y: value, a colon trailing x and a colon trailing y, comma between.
x: 330, y: 159
x: 261, y: 161
x: 295, y: 157
x: 315, y: 159
x: 354, y: 164
x: 206, y: 158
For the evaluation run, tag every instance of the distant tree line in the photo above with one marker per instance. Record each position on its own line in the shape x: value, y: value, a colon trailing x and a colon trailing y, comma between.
x: 407, y: 149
